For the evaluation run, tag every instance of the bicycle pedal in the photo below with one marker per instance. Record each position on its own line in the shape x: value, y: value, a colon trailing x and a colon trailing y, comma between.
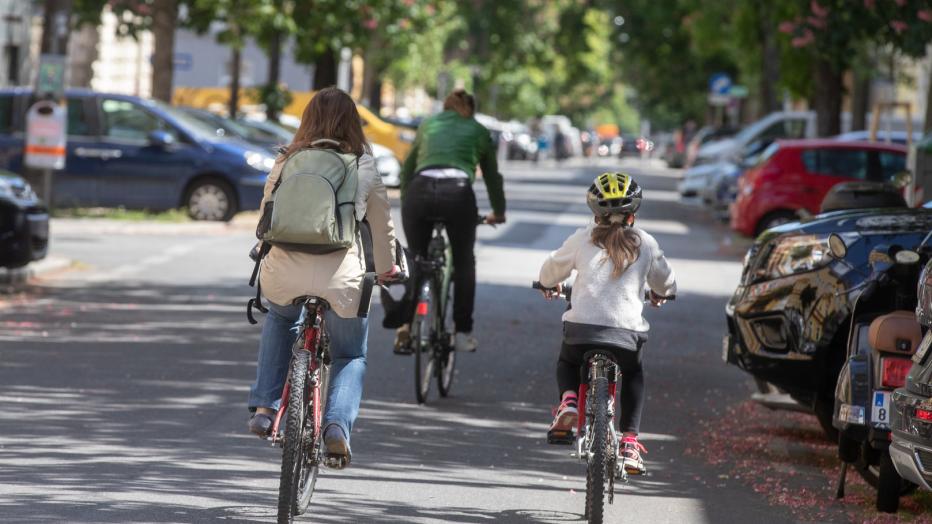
x: 335, y: 461
x: 561, y: 438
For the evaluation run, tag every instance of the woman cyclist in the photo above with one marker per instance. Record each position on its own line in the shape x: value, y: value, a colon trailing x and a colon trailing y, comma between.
x: 329, y: 121
x: 436, y: 186
x: 614, y: 262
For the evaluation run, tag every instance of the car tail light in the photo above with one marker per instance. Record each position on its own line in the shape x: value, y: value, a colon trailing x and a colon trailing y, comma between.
x: 924, y: 414
x: 893, y: 372
x: 422, y: 308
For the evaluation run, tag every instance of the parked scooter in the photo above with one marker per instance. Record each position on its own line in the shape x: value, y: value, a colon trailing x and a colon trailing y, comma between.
x: 883, y: 336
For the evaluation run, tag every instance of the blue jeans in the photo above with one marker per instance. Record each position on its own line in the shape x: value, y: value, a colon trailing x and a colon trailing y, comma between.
x: 348, y: 344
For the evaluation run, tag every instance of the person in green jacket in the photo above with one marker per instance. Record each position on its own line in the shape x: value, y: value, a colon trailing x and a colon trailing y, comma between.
x: 436, y: 186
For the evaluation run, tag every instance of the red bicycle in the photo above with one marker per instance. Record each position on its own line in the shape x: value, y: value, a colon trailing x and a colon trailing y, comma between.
x: 302, y: 408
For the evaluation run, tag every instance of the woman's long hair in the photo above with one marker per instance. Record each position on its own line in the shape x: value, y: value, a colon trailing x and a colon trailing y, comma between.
x: 332, y: 115
x: 622, y: 244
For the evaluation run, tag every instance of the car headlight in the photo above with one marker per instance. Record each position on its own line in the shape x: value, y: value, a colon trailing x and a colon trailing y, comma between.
x: 387, y: 165
x: 6, y: 188
x: 795, y: 254
x: 259, y: 161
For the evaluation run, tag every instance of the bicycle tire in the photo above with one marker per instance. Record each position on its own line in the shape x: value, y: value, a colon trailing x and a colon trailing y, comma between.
x: 313, y: 441
x: 597, y: 465
x: 293, y: 449
x: 423, y: 339
x: 446, y: 356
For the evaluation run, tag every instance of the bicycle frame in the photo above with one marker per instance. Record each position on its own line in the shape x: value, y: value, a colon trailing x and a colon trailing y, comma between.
x: 315, y: 341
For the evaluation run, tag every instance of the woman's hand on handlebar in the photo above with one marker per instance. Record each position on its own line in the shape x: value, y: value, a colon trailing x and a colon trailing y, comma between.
x: 493, y: 219
x: 391, y: 276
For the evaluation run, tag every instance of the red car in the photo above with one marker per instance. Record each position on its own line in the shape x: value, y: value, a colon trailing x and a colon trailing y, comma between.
x: 795, y: 175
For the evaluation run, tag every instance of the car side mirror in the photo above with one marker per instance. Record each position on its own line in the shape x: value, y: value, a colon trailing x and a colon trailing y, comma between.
x: 837, y: 246
x: 161, y: 139
x: 902, y: 179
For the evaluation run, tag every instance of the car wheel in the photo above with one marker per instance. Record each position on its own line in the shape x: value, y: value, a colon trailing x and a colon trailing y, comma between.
x: 777, y: 218
x: 210, y: 199
x: 889, y: 485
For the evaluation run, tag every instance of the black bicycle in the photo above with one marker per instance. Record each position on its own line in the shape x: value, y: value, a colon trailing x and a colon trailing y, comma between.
x: 596, y: 438
x: 431, y: 330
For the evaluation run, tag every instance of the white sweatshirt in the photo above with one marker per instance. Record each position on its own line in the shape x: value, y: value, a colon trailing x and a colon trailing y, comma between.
x: 599, y: 298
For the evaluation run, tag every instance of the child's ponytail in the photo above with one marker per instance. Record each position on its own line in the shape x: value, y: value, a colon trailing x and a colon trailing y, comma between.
x: 622, y: 244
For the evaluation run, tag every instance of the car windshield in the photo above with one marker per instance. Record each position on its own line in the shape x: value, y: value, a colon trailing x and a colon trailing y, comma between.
x: 191, y: 124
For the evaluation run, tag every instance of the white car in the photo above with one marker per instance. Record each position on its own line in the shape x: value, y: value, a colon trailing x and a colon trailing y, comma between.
x: 387, y: 165
x: 697, y: 178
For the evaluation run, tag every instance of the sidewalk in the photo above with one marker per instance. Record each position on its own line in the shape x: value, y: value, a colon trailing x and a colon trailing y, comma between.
x: 19, y: 276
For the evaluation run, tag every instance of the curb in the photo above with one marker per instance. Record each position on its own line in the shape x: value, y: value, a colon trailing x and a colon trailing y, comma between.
x: 19, y: 276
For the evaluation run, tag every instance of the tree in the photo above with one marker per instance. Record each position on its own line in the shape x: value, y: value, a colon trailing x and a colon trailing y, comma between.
x: 164, y: 22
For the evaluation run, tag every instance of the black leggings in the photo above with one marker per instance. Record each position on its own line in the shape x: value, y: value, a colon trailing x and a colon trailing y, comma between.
x: 452, y: 202
x: 570, y: 372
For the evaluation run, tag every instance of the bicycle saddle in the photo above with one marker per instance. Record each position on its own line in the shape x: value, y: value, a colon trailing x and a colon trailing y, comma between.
x: 310, y: 299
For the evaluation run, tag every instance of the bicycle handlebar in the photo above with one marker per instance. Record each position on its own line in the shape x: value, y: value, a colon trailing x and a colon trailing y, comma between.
x: 566, y: 293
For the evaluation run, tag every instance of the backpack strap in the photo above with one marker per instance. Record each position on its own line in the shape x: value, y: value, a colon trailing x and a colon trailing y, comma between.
x: 256, y: 302
x: 369, y: 279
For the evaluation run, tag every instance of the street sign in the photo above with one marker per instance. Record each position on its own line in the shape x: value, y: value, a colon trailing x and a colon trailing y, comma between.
x: 738, y: 91
x: 51, y: 80
x: 46, y: 132
x: 719, y: 84
x: 183, y: 61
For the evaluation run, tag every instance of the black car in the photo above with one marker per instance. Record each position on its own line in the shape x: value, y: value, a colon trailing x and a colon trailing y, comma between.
x: 24, y: 223
x: 788, y: 319
x: 911, y: 413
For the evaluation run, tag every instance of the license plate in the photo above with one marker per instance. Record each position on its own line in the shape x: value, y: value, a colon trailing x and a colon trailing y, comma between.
x: 880, y: 409
x: 851, y: 414
x: 923, y: 347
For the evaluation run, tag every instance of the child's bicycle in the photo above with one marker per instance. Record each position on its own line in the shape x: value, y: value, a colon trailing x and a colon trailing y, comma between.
x: 596, y: 438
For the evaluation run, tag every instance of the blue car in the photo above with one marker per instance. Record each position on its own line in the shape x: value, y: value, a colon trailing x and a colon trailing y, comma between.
x: 125, y: 151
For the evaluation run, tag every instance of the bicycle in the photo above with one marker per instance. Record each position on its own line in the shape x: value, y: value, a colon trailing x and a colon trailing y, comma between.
x: 431, y: 331
x: 304, y: 400
x: 302, y: 407
x: 596, y: 441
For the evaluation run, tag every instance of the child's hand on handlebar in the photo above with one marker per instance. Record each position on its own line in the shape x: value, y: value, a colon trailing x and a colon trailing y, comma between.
x: 553, y: 293
x: 656, y: 300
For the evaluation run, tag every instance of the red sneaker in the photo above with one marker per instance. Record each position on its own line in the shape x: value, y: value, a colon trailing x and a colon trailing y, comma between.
x: 565, y: 415
x: 631, y: 455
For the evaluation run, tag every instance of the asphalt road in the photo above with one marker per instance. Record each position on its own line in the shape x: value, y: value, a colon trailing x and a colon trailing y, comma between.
x: 124, y: 384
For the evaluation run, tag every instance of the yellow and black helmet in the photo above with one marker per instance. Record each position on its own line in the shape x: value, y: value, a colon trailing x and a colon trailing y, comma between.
x: 614, y: 193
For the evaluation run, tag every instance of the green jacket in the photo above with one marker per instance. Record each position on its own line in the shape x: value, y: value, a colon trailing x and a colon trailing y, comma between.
x: 451, y: 140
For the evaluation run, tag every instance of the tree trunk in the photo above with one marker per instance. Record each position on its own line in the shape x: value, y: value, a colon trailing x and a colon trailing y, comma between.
x: 770, y: 63
x: 275, y: 67
x: 860, y: 100
x: 826, y: 100
x: 325, y: 70
x: 927, y: 124
x: 56, y: 26
x: 235, y: 63
x: 164, y: 22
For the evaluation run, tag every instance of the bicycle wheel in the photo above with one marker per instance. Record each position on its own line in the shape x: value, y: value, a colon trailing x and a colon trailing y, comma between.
x: 296, y: 482
x: 423, y: 341
x: 597, y: 467
x: 446, y: 356
x: 313, y: 442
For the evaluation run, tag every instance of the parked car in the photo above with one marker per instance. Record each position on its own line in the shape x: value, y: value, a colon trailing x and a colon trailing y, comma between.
x: 759, y: 135
x: 131, y: 152
x: 911, y: 413
x: 895, y: 137
x: 787, y: 322
x: 705, y: 135
x: 398, y: 138
x: 795, y: 175
x: 520, y: 144
x: 24, y: 223
x: 629, y: 146
x: 387, y: 165
x: 257, y: 133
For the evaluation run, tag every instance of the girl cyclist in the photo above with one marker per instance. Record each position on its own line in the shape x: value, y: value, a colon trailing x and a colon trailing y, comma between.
x: 615, y: 262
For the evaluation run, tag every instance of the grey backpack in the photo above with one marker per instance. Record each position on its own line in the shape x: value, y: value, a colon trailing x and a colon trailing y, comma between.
x: 312, y: 206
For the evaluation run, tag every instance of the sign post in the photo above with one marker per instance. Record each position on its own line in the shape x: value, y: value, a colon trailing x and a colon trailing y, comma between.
x: 46, y: 123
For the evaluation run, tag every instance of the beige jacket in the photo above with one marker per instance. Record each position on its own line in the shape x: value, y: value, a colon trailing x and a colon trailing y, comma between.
x: 336, y: 277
